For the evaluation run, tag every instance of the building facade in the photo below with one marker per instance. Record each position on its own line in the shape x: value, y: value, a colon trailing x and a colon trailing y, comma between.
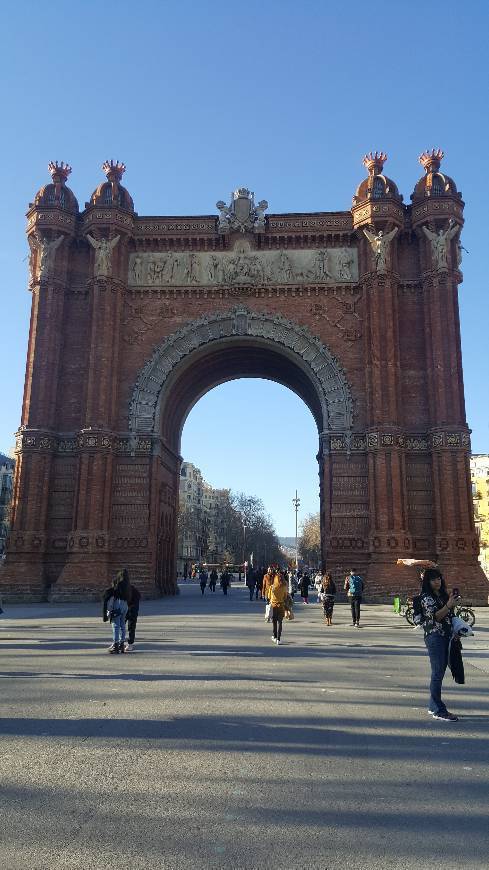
x: 479, y: 471
x: 201, y: 528
x: 134, y: 318
x: 7, y: 466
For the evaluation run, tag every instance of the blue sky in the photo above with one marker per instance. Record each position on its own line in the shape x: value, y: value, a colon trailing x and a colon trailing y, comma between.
x: 283, y: 97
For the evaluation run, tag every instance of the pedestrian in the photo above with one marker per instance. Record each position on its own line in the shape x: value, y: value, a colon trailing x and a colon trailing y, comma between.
x: 203, y: 579
x: 267, y: 582
x: 132, y: 616
x: 225, y: 581
x: 250, y: 582
x: 277, y: 595
x: 354, y: 587
x: 304, y: 587
x: 328, y: 592
x: 213, y: 580
x: 318, y: 579
x: 260, y: 573
x: 115, y: 608
x: 437, y: 614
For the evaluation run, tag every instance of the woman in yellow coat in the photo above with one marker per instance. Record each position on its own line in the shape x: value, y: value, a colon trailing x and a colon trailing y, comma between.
x: 277, y: 595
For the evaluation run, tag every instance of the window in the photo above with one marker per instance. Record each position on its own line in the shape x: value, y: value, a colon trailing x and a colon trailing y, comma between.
x: 51, y: 197
x: 437, y: 186
x: 378, y: 188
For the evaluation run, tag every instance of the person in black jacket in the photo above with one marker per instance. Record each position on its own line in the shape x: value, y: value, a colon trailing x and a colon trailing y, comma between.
x: 225, y: 581
x: 132, y: 616
x: 437, y: 614
x: 114, y: 609
x: 304, y: 587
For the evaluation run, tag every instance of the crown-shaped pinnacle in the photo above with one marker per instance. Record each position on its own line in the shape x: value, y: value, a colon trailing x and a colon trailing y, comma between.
x: 114, y: 170
x: 59, y: 171
x: 430, y: 160
x: 374, y: 162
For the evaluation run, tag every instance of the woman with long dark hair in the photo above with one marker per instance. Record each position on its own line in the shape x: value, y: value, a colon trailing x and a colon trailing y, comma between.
x: 436, y: 609
x: 114, y: 609
x: 277, y: 595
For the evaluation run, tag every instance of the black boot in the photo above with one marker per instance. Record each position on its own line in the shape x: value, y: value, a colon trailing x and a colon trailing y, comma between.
x: 121, y: 647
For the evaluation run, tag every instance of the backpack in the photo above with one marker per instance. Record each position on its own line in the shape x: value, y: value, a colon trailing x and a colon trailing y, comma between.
x: 356, y: 584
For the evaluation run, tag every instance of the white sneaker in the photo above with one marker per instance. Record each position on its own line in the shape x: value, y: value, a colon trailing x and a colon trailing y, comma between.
x: 277, y: 642
x: 129, y: 647
x: 273, y: 638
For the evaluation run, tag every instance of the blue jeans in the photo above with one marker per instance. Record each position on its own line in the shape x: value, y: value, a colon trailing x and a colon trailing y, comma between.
x: 119, y: 625
x: 437, y: 646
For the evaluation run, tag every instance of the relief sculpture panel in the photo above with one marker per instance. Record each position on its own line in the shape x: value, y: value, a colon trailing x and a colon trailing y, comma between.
x: 244, y: 267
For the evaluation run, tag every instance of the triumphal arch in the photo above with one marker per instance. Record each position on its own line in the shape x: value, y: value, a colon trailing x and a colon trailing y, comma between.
x: 135, y: 318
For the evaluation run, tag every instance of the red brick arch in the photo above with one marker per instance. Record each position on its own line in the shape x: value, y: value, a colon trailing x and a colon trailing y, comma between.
x: 134, y: 318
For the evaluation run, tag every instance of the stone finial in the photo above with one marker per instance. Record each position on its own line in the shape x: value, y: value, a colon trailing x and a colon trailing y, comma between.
x: 374, y: 162
x: 430, y: 160
x: 59, y: 171
x: 114, y: 170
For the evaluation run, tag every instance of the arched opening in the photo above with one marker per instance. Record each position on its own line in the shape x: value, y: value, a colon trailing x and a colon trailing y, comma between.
x: 230, y: 345
x: 378, y: 189
x: 259, y: 440
x: 437, y: 185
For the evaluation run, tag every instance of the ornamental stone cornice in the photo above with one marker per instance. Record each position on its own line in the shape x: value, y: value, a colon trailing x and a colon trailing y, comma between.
x: 45, y: 218
x: 115, y: 218
x: 81, y: 441
x: 374, y: 212
x: 377, y: 440
x: 437, y: 208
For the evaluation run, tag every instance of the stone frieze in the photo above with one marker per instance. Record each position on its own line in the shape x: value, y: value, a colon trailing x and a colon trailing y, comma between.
x: 244, y: 267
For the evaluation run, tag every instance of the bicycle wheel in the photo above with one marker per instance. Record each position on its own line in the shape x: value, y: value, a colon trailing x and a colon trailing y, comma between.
x: 408, y: 615
x: 467, y: 615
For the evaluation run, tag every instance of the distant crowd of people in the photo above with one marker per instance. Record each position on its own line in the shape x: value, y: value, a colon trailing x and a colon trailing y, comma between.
x: 277, y: 587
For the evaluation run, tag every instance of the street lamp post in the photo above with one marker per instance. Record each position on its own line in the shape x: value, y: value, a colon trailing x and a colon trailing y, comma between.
x: 244, y: 549
x: 296, y: 502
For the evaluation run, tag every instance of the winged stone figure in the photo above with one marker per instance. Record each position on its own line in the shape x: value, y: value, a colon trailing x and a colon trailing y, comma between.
x: 47, y: 255
x: 380, y: 244
x: 439, y: 245
x: 103, y: 255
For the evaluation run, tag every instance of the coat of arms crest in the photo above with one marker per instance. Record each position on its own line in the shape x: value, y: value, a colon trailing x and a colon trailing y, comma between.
x: 242, y: 214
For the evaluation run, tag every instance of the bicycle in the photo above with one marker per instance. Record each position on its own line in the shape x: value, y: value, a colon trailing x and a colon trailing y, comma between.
x: 406, y: 610
x: 464, y: 611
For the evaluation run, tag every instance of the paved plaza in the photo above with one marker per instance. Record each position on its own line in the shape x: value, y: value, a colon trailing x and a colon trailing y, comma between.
x: 209, y: 747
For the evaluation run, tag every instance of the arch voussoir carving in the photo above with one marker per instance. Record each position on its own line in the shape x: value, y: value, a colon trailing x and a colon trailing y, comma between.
x: 324, y: 369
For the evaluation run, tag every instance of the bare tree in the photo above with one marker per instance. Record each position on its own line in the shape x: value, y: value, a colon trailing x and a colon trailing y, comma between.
x: 310, y: 540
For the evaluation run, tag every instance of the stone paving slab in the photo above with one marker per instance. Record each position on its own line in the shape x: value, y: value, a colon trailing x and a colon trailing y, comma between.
x: 209, y: 747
